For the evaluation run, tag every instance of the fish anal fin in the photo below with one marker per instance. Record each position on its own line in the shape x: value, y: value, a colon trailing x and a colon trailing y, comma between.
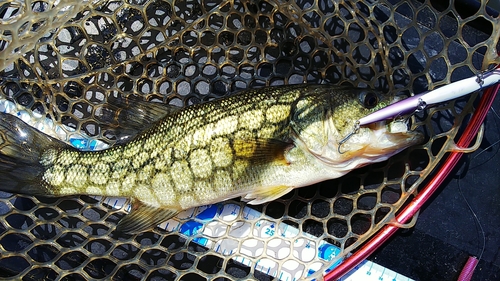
x: 264, y: 195
x: 143, y: 217
x: 261, y: 151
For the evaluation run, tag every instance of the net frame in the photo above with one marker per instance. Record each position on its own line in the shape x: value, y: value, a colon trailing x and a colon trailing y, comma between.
x: 416, y: 204
x: 309, y: 16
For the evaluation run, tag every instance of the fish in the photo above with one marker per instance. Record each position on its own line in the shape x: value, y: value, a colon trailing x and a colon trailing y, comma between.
x: 257, y: 145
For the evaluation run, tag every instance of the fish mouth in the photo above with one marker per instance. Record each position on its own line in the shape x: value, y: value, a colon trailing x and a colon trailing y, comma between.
x: 370, y: 144
x: 395, y: 134
x: 392, y: 137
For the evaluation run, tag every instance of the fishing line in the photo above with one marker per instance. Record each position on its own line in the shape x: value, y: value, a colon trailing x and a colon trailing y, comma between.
x: 471, y: 264
x: 478, y: 224
x: 496, y: 114
x: 491, y: 145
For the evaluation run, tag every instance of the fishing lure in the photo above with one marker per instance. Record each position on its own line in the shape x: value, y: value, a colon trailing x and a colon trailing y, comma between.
x: 421, y: 101
x: 443, y: 94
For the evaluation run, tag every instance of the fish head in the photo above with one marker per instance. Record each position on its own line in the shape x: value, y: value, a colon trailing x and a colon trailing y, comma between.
x: 324, y: 124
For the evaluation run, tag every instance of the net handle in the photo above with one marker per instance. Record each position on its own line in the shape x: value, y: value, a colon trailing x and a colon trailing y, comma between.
x: 387, y: 231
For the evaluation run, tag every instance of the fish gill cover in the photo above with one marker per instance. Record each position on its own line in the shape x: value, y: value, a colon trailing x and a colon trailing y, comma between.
x: 67, y: 62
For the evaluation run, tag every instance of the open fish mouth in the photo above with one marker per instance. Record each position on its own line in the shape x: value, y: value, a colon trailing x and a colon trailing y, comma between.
x: 393, y: 136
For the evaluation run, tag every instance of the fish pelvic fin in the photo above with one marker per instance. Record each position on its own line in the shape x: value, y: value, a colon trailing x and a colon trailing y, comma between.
x: 143, y: 217
x: 21, y: 149
x: 264, y: 195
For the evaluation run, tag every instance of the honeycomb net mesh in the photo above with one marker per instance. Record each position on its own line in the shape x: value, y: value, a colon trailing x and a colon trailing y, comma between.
x: 63, y: 60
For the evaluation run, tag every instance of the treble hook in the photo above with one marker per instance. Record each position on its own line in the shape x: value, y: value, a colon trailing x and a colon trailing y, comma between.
x: 482, y: 76
x: 346, y: 138
x: 421, y: 106
x: 480, y: 79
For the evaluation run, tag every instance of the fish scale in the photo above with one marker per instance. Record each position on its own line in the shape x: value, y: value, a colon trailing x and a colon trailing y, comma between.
x: 257, y: 145
x: 221, y: 154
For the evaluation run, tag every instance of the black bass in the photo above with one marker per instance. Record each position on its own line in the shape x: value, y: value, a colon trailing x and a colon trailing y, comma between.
x: 257, y: 145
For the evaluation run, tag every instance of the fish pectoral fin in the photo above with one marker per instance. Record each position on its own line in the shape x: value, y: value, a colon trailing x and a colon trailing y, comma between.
x: 261, y: 151
x: 265, y: 195
x: 127, y: 117
x: 143, y: 217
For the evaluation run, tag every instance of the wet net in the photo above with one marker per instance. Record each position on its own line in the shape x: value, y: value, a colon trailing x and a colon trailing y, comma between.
x: 61, y: 61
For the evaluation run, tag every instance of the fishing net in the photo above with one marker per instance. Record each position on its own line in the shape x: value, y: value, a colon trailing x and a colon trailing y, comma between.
x: 61, y: 61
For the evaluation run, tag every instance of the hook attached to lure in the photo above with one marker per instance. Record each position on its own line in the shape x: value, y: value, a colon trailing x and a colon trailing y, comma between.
x: 353, y: 132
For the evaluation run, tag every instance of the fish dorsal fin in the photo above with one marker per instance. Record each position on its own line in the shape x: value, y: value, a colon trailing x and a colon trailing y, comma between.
x: 124, y: 118
x: 262, y: 151
x: 143, y: 217
x: 263, y: 195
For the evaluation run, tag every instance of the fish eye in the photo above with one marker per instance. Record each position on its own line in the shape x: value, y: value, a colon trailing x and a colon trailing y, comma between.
x: 368, y: 99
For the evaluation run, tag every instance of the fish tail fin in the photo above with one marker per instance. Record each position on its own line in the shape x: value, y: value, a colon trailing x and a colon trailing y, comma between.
x: 21, y: 148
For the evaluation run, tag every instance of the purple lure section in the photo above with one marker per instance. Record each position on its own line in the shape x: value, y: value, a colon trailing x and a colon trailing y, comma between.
x: 396, y: 109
